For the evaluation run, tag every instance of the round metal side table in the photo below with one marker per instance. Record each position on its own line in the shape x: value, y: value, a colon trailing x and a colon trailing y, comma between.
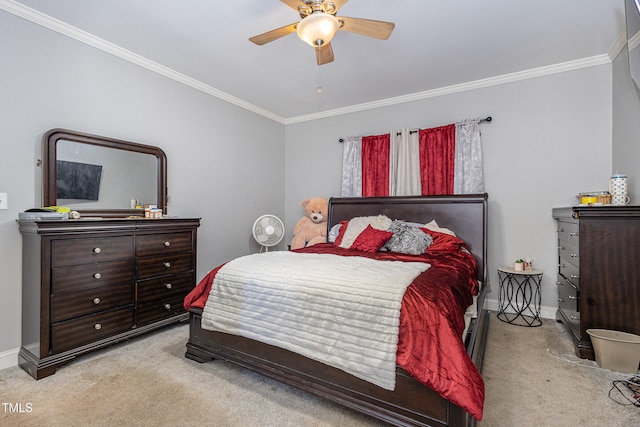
x: 520, y: 297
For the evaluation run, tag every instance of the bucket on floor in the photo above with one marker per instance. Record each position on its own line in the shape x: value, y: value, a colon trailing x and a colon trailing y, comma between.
x: 616, y: 351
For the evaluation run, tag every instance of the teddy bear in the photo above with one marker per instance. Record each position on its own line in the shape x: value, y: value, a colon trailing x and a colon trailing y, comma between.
x: 312, y: 227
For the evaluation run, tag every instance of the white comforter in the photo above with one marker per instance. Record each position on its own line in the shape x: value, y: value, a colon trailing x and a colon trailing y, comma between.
x: 341, y: 311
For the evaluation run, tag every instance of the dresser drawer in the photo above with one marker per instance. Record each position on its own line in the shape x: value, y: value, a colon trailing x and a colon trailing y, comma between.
x: 568, y: 254
x: 167, y: 243
x: 158, y: 310
x: 84, y: 330
x: 569, y: 305
x: 568, y: 231
x: 83, y: 251
x: 568, y: 296
x: 163, y: 265
x: 87, y: 301
x: 80, y: 277
x: 569, y: 271
x: 165, y: 287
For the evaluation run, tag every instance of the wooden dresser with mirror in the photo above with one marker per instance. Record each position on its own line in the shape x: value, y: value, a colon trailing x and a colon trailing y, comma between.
x: 112, y: 274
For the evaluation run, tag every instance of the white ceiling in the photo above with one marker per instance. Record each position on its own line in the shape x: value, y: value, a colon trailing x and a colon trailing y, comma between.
x: 437, y: 45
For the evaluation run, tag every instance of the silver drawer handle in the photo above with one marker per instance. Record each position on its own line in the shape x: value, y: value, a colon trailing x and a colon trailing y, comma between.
x: 169, y: 286
x: 574, y: 255
x: 97, y: 326
x: 574, y: 234
x: 167, y: 306
x: 97, y: 275
x: 97, y: 250
x: 167, y: 243
x: 575, y: 317
x: 167, y: 264
x: 559, y: 283
x: 574, y: 276
x: 560, y: 300
x: 560, y: 248
x: 561, y: 265
x: 572, y: 297
x: 560, y: 230
x: 96, y: 301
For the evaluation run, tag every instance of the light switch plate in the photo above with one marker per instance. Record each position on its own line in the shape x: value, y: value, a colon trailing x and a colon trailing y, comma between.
x: 4, y: 204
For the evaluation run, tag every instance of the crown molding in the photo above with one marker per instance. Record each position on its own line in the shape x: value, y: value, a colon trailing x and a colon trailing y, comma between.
x: 477, y: 84
x: 51, y: 23
x: 634, y: 41
x: 63, y: 28
x: 618, y: 45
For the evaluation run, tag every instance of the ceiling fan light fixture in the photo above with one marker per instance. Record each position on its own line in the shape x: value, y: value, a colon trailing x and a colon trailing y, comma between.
x: 318, y: 28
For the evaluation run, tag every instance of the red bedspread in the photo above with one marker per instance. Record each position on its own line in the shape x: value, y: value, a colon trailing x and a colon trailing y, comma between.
x: 430, y: 347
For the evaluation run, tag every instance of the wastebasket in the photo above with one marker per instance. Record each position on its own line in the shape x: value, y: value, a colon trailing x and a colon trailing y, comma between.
x: 615, y: 350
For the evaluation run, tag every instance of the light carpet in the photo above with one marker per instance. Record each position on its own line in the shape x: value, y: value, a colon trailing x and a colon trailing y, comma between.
x: 148, y: 382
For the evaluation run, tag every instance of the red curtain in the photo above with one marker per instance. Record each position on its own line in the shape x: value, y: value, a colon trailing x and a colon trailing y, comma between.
x: 375, y: 165
x: 437, y: 158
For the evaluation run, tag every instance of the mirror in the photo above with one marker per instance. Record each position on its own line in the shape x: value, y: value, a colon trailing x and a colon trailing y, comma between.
x: 99, y: 176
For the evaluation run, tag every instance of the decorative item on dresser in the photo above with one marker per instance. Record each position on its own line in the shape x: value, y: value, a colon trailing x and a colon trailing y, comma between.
x: 598, y: 276
x: 88, y: 284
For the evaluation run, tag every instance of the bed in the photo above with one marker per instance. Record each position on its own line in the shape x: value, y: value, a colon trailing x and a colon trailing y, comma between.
x: 425, y: 401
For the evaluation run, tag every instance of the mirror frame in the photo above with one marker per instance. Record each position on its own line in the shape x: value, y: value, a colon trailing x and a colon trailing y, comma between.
x: 49, y: 157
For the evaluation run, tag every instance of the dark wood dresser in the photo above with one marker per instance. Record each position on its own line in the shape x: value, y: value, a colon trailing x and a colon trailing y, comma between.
x: 90, y: 283
x: 598, y: 271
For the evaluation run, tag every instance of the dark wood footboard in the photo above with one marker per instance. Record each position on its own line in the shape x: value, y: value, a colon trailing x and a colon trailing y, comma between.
x: 410, y: 404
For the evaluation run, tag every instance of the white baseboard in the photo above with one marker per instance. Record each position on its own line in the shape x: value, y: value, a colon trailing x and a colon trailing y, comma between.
x: 9, y: 358
x: 546, y: 312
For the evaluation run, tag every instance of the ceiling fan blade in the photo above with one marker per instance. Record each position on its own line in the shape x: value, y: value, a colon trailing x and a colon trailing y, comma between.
x: 339, y: 3
x: 272, y: 35
x: 367, y: 27
x: 324, y: 54
x: 293, y: 4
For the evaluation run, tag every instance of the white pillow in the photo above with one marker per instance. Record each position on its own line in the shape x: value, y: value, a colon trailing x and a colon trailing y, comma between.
x: 358, y: 224
x: 433, y: 226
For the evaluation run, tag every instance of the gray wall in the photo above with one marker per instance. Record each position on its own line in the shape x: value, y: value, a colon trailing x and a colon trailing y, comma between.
x: 626, y: 126
x: 550, y: 140
x: 219, y: 168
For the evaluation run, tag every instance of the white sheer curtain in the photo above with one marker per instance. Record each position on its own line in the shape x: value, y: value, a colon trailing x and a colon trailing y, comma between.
x: 468, y: 174
x: 404, y: 174
x: 352, y: 167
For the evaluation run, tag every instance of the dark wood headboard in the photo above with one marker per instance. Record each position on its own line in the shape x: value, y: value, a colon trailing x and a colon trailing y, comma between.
x: 465, y: 214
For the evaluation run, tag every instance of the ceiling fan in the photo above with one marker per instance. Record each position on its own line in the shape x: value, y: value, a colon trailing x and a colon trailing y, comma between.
x: 319, y: 24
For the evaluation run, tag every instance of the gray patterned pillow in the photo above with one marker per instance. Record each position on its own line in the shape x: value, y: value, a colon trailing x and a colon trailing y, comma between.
x: 407, y: 239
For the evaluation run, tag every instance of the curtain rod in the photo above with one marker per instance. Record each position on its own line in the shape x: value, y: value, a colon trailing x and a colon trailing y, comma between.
x: 486, y: 119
